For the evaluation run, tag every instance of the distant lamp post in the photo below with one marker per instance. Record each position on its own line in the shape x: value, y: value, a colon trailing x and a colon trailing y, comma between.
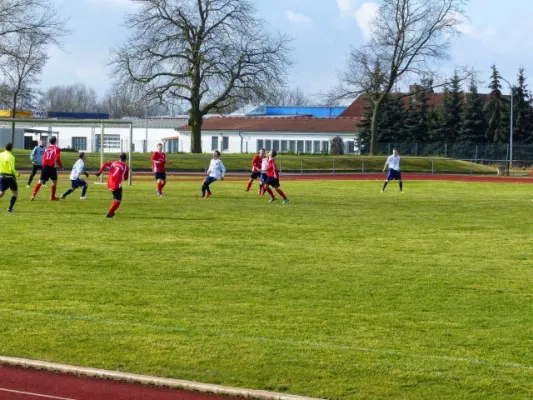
x: 511, y: 118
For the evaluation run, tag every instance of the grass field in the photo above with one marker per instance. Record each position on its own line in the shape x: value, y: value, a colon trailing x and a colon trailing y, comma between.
x: 343, y: 293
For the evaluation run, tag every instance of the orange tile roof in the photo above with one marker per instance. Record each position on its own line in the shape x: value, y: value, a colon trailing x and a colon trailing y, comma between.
x: 278, y: 124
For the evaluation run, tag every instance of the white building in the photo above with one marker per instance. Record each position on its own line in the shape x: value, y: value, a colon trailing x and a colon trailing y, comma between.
x: 284, y: 134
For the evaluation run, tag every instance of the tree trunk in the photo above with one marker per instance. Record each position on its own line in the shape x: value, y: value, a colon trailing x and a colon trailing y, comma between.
x: 195, y: 121
x: 374, y: 126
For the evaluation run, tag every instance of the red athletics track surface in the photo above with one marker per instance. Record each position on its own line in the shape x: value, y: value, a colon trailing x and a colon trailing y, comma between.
x: 27, y: 384
x: 355, y: 177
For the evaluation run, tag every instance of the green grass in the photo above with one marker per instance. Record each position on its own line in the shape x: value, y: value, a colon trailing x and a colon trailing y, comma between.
x: 343, y: 293
x: 287, y: 163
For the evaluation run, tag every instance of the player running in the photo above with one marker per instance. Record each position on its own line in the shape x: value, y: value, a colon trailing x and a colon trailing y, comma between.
x: 159, y: 160
x: 256, y: 169
x: 8, y: 176
x: 273, y: 178
x: 264, y: 165
x: 215, y: 172
x: 51, y: 158
x: 394, y: 170
x: 118, y: 172
x: 75, y: 180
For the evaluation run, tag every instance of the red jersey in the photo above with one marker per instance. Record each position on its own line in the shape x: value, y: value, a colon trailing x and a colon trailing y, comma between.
x: 52, y: 156
x: 272, y: 169
x: 161, y: 157
x: 118, y: 172
x: 256, y: 163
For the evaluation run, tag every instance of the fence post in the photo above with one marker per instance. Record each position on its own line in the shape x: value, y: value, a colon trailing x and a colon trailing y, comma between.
x: 445, y: 149
x: 389, y: 149
x: 416, y: 149
x: 432, y: 166
x: 302, y: 166
x: 476, y: 153
x: 363, y: 166
x: 334, y: 165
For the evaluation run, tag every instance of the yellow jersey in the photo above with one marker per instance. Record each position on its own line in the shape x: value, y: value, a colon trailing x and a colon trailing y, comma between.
x: 7, y: 164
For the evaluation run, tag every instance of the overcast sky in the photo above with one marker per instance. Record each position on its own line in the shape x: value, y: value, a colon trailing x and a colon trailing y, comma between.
x: 499, y: 32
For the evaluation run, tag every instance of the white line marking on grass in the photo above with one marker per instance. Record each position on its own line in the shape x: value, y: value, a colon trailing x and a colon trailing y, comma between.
x: 275, y: 340
x: 35, y: 394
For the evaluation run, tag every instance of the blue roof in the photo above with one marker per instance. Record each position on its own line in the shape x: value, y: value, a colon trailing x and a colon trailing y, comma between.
x: 317, y: 112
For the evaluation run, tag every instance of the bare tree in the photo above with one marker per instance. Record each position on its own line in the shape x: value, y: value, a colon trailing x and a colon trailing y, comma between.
x: 70, y: 98
x: 206, y: 53
x: 21, y: 68
x: 408, y: 38
x: 30, y: 18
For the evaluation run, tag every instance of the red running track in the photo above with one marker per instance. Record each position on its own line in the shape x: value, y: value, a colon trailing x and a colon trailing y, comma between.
x: 27, y: 384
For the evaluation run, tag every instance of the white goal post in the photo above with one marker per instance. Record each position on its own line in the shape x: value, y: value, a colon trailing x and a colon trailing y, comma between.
x: 102, y: 123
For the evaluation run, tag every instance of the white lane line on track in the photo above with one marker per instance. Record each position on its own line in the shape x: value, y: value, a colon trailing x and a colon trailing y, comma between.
x: 45, y: 396
x: 275, y: 340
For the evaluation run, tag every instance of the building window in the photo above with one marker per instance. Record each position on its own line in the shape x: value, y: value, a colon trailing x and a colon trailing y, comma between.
x: 350, y: 148
x: 284, y: 146
x: 172, y: 146
x: 79, y: 143
x: 110, y: 142
x: 225, y: 142
x: 292, y: 146
x: 214, y: 142
x: 316, y: 146
x: 308, y: 146
x: 325, y: 147
x: 260, y: 144
x: 275, y: 145
x: 268, y: 145
x: 300, y: 146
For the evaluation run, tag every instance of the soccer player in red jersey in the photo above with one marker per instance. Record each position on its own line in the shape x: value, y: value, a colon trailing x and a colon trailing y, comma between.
x: 256, y: 169
x: 118, y: 172
x: 51, y: 158
x: 273, y: 178
x: 159, y: 160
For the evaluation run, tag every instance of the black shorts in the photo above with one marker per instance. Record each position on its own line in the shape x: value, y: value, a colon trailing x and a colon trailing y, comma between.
x: 255, y: 174
x: 117, y: 194
x: 160, y: 175
x: 8, y: 182
x: 36, y: 168
x: 48, y: 173
x: 273, y: 182
x: 78, y: 183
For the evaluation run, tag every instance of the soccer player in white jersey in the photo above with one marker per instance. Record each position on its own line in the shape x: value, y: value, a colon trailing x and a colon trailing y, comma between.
x: 75, y: 180
x: 215, y: 172
x: 264, y: 165
x: 394, y: 170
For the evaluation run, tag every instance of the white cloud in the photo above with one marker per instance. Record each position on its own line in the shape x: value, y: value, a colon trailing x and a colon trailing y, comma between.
x: 112, y: 3
x: 365, y: 16
x: 298, y: 18
x: 347, y: 8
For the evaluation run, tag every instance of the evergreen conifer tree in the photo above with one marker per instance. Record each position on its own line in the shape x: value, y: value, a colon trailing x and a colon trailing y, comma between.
x: 473, y: 122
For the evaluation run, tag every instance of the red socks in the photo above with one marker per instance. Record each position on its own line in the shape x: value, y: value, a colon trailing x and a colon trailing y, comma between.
x: 281, y: 194
x: 160, y: 187
x: 249, y: 186
x: 36, y: 189
x: 54, y: 187
x: 114, y: 206
x: 269, y: 191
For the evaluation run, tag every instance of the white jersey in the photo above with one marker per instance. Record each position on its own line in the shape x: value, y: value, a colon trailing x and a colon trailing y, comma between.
x: 216, y: 169
x: 77, y: 169
x: 394, y: 162
x: 264, y: 165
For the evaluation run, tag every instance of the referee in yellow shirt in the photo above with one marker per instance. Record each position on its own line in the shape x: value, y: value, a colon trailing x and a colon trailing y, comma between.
x: 8, y: 175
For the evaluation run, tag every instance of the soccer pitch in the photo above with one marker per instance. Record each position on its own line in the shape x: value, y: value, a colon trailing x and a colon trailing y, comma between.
x: 342, y: 293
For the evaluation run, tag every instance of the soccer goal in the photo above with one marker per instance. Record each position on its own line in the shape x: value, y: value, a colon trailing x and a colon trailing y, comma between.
x: 88, y: 139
